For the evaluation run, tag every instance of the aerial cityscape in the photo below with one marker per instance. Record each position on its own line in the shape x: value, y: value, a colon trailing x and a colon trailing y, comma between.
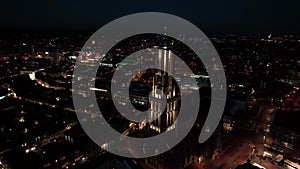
x: 48, y: 58
x: 259, y: 123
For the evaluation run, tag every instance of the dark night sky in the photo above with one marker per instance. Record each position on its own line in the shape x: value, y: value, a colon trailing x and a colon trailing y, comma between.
x: 222, y: 16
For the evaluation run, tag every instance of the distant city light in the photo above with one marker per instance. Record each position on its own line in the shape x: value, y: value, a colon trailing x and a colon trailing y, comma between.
x: 22, y: 120
x: 269, y: 36
x: 32, y: 76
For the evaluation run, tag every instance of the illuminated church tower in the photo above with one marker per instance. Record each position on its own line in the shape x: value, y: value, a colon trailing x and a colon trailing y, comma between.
x: 164, y: 86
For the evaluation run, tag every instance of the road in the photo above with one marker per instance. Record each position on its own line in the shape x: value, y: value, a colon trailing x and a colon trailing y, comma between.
x: 233, y: 156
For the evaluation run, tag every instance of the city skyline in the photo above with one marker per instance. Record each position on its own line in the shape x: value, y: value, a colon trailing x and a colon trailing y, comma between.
x: 253, y: 108
x: 69, y: 100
